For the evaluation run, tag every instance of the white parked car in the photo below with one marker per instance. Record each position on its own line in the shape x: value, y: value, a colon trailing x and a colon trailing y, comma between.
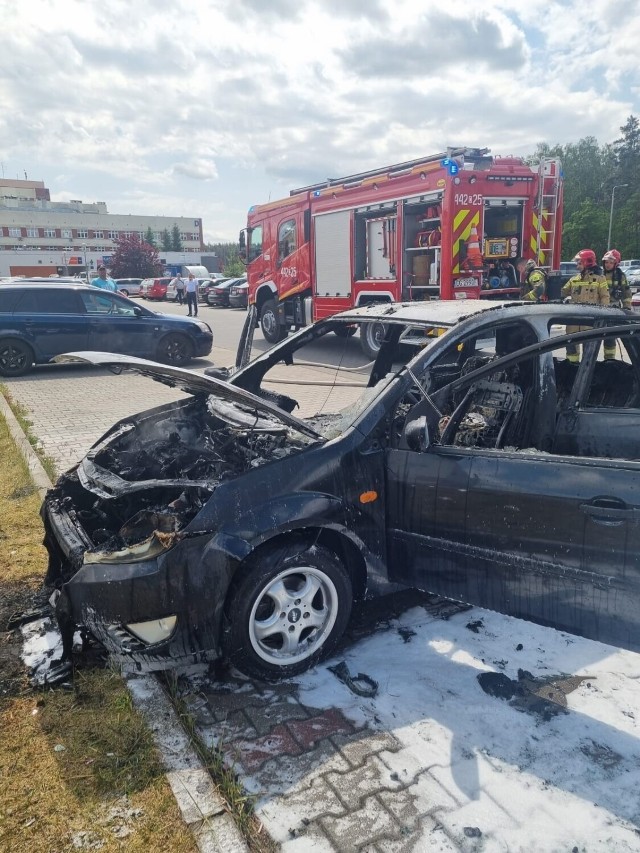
x: 633, y: 276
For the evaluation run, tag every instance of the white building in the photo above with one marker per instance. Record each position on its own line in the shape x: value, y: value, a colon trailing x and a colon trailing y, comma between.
x: 41, y: 237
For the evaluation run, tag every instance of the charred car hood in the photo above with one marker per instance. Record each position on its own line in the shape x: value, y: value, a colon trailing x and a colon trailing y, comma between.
x: 190, y: 382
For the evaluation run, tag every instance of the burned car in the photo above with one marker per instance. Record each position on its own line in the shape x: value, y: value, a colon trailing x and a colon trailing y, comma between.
x: 471, y: 459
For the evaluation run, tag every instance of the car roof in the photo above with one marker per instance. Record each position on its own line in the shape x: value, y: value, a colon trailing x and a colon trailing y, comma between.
x: 449, y: 313
x: 74, y: 285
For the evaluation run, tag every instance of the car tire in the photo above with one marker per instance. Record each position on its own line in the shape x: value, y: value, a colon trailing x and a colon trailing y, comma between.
x: 272, y: 331
x: 123, y: 292
x: 371, y: 337
x: 175, y: 349
x: 16, y: 357
x: 287, y: 611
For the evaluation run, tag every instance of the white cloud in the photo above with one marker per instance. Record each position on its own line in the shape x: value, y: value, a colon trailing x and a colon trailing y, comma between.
x: 212, y: 107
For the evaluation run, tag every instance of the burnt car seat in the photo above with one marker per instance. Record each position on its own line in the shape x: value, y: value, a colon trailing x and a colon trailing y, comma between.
x: 487, y: 416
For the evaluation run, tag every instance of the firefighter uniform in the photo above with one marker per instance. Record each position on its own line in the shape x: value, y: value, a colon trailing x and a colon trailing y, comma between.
x: 586, y: 288
x: 534, y: 286
x: 620, y: 296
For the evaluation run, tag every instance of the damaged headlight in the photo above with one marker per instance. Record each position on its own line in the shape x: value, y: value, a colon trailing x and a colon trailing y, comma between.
x: 155, y: 631
x: 152, y: 547
x: 145, y: 536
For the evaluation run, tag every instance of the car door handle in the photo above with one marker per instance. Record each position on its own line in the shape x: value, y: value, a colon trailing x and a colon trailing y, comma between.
x: 610, y: 511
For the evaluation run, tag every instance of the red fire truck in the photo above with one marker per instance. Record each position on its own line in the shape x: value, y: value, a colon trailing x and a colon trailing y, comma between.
x: 456, y: 225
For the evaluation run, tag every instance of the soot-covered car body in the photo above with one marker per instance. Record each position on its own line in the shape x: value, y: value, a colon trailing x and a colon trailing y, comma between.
x: 471, y: 459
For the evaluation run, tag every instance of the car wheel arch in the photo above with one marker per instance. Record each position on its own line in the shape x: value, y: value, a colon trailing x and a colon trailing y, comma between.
x: 338, y: 541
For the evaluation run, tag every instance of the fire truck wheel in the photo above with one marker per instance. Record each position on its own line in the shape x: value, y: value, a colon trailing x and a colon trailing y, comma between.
x: 371, y: 337
x: 271, y: 328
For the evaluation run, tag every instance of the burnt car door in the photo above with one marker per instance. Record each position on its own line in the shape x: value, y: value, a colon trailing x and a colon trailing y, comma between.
x: 600, y: 426
x: 488, y: 515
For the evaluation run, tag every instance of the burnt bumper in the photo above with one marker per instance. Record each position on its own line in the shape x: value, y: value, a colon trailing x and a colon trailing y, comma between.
x: 106, y: 598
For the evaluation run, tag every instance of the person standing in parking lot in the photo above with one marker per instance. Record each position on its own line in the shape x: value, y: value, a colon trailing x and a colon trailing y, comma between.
x: 178, y: 282
x: 587, y: 287
x: 192, y: 295
x: 103, y: 280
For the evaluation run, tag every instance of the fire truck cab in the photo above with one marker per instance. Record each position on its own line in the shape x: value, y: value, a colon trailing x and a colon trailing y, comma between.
x: 456, y: 225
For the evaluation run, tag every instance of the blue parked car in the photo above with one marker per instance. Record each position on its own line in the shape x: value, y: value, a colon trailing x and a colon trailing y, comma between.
x: 40, y: 321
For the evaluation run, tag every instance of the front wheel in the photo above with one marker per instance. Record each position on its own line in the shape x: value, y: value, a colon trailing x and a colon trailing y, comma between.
x: 371, y: 338
x: 124, y: 292
x: 16, y: 358
x: 289, y: 609
x: 271, y: 329
x: 175, y: 349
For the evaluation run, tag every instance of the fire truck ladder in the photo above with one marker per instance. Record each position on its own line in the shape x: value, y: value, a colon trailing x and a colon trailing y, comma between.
x: 549, y: 188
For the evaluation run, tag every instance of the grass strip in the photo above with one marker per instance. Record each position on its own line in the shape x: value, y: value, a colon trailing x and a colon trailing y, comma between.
x: 78, y: 768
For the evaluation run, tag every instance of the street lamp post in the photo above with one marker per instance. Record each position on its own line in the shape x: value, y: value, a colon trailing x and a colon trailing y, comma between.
x: 86, y: 268
x: 613, y: 193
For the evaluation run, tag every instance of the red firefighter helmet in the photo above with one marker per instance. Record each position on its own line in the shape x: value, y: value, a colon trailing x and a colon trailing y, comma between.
x: 587, y: 256
x: 612, y: 255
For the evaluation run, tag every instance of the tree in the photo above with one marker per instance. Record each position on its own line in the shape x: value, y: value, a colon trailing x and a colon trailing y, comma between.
x: 225, y: 252
x: 234, y: 266
x: 176, y: 241
x: 166, y: 241
x: 591, y: 171
x: 149, y: 238
x: 586, y: 228
x: 134, y: 257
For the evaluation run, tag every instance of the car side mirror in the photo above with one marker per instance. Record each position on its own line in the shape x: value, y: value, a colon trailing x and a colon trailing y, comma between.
x: 137, y: 310
x: 417, y: 434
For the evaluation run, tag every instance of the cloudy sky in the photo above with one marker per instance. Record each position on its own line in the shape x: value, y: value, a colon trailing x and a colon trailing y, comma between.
x: 204, y: 108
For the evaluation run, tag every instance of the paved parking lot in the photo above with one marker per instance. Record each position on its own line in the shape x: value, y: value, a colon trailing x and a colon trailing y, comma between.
x: 431, y: 762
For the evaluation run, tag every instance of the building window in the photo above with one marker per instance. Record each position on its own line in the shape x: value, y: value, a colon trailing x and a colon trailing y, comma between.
x: 113, y: 235
x: 32, y: 232
x: 126, y: 234
x: 82, y: 233
x: 49, y: 232
x: 14, y: 232
x: 99, y: 235
x: 66, y: 232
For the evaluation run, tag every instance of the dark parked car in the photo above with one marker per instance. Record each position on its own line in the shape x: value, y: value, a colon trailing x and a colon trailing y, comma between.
x: 205, y: 285
x: 239, y: 295
x: 40, y: 321
x: 567, y: 270
x: 218, y: 295
x: 488, y: 469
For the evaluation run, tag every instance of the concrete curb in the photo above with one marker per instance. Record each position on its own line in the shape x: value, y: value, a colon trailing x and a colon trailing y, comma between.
x: 201, y: 806
x: 38, y: 474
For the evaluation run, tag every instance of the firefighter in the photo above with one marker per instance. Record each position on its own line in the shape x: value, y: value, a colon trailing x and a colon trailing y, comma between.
x: 619, y: 292
x: 534, y: 284
x: 587, y: 287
